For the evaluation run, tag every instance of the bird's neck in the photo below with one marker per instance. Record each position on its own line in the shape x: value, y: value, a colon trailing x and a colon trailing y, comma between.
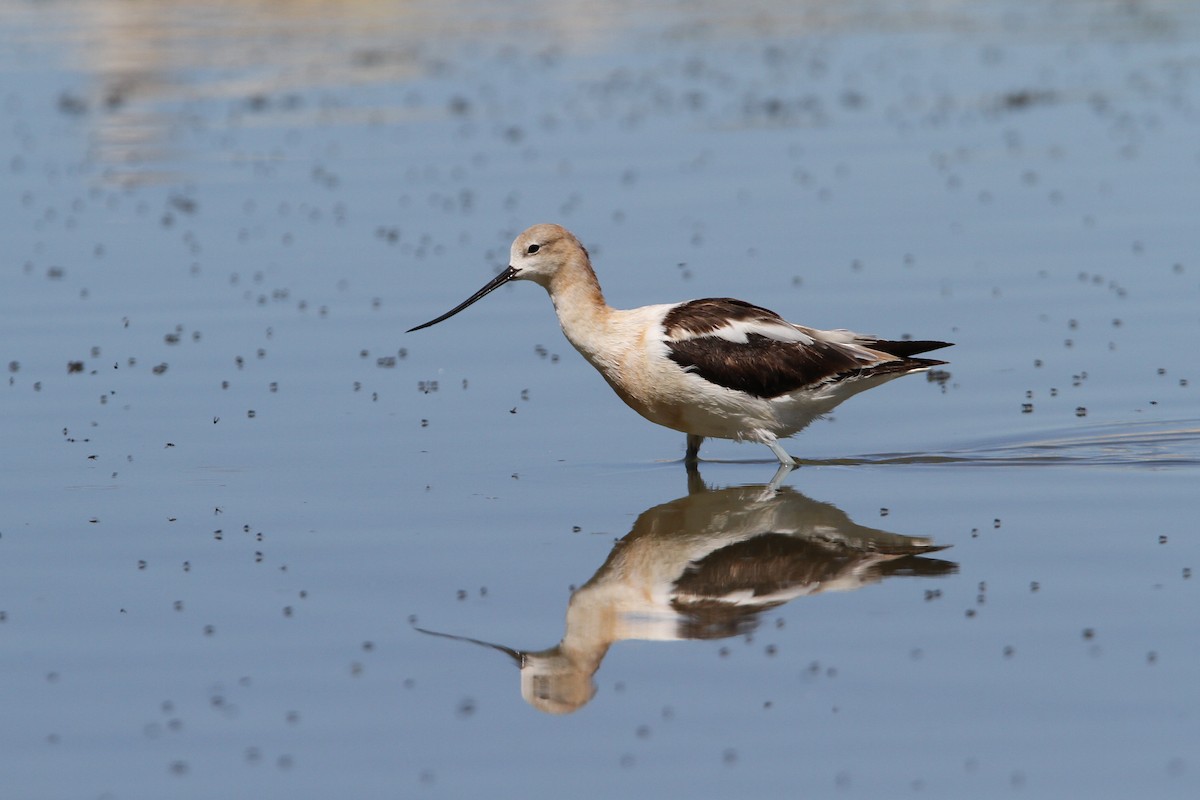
x: 581, y: 309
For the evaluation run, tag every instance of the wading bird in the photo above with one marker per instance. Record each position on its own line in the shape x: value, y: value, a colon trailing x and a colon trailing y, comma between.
x: 715, y: 367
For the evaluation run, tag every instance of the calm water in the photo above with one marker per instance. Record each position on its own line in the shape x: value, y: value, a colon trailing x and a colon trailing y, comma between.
x: 255, y: 541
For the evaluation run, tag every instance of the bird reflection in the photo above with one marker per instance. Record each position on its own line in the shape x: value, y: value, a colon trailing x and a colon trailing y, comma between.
x: 706, y: 566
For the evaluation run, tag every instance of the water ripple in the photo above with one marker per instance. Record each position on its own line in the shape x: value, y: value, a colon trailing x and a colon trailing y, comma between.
x: 1153, y: 445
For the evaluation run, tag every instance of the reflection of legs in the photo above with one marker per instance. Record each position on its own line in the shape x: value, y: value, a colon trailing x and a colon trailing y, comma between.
x: 780, y: 474
x: 777, y: 479
x: 693, y: 448
x: 695, y: 483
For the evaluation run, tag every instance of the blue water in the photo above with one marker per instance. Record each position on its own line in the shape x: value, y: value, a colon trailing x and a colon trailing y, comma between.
x: 223, y: 525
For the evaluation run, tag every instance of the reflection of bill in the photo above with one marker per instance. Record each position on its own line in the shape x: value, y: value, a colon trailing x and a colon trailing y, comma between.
x: 706, y: 566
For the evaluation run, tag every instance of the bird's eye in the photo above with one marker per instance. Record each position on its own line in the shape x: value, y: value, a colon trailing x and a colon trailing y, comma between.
x: 533, y: 248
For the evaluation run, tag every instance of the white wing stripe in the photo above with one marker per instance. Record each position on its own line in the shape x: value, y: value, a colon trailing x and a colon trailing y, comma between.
x: 738, y: 332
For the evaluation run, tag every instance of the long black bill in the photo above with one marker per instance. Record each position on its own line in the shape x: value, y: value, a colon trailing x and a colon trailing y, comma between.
x: 492, y: 285
x: 515, y: 655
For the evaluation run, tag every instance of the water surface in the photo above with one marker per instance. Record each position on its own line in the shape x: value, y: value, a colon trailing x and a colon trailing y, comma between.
x: 236, y: 494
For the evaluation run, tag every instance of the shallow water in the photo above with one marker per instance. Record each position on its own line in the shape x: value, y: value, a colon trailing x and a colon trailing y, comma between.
x: 238, y: 499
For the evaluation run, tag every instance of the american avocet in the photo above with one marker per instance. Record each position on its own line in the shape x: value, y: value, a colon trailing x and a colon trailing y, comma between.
x: 715, y: 367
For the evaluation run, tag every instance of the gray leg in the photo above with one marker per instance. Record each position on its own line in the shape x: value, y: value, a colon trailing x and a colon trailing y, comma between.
x: 693, y: 448
x: 781, y: 454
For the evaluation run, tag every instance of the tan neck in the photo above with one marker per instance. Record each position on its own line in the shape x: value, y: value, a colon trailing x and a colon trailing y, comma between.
x: 581, y: 308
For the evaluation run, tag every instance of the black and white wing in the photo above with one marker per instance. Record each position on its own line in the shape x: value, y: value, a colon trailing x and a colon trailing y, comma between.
x: 750, y: 349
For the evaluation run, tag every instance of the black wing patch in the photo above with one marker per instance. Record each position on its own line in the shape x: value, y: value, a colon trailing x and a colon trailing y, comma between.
x: 762, y: 367
x: 768, y: 367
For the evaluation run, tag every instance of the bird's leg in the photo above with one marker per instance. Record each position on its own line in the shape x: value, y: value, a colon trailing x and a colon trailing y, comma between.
x: 693, y: 448
x: 781, y: 454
